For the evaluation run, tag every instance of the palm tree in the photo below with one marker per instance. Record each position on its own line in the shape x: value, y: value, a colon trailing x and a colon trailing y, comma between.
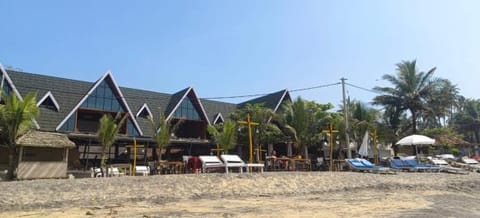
x: 162, y: 132
x: 410, y: 90
x: 107, y: 133
x: 16, y: 119
x: 227, y: 137
x: 303, y: 121
x: 440, y: 103
x: 267, y: 131
x: 468, y: 119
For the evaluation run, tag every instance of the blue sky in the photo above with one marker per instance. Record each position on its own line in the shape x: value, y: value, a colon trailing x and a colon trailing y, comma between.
x: 225, y: 48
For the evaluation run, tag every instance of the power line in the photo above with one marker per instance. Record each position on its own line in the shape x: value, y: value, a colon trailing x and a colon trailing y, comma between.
x: 364, y: 89
x: 263, y: 94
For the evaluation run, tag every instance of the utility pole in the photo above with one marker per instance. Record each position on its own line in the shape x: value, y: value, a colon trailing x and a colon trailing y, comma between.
x: 345, y: 112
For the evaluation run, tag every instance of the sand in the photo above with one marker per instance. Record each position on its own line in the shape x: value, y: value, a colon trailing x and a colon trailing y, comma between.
x: 280, y: 194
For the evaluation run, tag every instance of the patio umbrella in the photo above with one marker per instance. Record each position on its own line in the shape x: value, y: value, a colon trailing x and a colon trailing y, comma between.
x: 363, y: 151
x: 416, y: 140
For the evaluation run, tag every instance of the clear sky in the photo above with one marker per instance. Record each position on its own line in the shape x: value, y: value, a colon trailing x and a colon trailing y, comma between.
x: 225, y: 48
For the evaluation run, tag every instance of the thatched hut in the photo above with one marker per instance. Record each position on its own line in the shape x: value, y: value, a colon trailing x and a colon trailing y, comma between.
x: 43, y: 155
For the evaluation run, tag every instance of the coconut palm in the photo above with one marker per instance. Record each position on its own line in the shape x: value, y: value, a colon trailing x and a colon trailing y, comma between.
x: 468, y: 119
x: 440, y: 104
x: 16, y: 119
x: 266, y: 131
x: 162, y: 132
x: 410, y: 90
x: 225, y: 138
x: 303, y: 121
x: 107, y: 133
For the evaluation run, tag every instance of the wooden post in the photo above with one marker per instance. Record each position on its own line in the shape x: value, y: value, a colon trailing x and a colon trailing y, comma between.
x: 134, y: 156
x: 374, y: 145
x: 249, y: 124
x: 330, y: 142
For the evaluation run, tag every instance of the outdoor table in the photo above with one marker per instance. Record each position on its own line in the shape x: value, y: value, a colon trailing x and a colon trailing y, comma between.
x: 172, y: 167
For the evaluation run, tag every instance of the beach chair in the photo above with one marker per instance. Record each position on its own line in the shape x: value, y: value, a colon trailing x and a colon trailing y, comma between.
x: 363, y: 165
x: 210, y: 162
x: 471, y: 164
x: 234, y: 161
x: 445, y: 167
x: 398, y: 164
x: 376, y: 168
x: 142, y: 170
x: 422, y: 167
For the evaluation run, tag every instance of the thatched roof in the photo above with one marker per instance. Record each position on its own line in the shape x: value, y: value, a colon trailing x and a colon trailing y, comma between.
x: 45, y: 140
x: 450, y: 140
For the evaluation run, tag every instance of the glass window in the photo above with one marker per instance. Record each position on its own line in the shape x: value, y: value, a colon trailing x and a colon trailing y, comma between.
x: 103, y: 98
x: 7, y: 88
x: 187, y: 110
x: 131, y: 130
x: 69, y: 125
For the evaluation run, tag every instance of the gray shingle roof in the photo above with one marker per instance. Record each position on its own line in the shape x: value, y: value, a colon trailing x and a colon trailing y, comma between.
x: 269, y: 101
x: 68, y: 94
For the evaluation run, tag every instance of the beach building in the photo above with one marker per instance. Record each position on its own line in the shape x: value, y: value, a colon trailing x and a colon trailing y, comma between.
x: 74, y: 107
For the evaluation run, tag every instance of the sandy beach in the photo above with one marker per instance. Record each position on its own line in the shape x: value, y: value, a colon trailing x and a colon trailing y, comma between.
x: 280, y: 194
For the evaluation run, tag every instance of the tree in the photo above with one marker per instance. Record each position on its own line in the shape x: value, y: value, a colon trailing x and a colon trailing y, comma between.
x: 410, y: 90
x: 468, y: 119
x: 226, y: 138
x: 303, y: 122
x: 16, y: 119
x: 162, y: 132
x: 266, y: 132
x: 440, y: 104
x: 107, y: 134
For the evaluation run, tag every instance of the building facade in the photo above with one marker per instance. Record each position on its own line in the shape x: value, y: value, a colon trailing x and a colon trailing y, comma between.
x: 75, y: 107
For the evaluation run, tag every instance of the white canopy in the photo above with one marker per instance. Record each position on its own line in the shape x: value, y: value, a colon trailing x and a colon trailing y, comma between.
x: 416, y: 140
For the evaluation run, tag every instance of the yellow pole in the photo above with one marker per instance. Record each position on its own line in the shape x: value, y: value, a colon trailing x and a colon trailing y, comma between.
x: 135, y: 156
x: 330, y: 142
x: 250, y: 140
x: 249, y: 124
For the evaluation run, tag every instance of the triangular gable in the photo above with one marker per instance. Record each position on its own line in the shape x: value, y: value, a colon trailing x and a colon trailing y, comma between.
x: 218, y: 119
x: 108, y: 75
x: 194, y: 98
x: 144, y: 110
x: 285, y: 96
x: 48, y: 97
x: 6, y: 78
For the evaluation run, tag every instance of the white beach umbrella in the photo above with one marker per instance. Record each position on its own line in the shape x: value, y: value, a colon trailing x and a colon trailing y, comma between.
x: 363, y: 151
x: 416, y: 140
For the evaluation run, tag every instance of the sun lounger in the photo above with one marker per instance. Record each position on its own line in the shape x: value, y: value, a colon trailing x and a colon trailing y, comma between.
x: 471, y: 164
x: 363, y: 165
x: 234, y: 161
x: 445, y: 167
x: 142, y: 170
x: 422, y: 167
x: 401, y: 165
x: 210, y: 162
x: 112, y: 171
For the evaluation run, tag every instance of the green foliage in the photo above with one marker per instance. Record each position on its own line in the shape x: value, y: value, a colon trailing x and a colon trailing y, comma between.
x: 303, y: 121
x: 226, y: 137
x: 162, y: 131
x: 16, y: 119
x: 410, y: 90
x: 264, y: 133
x: 108, y: 131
